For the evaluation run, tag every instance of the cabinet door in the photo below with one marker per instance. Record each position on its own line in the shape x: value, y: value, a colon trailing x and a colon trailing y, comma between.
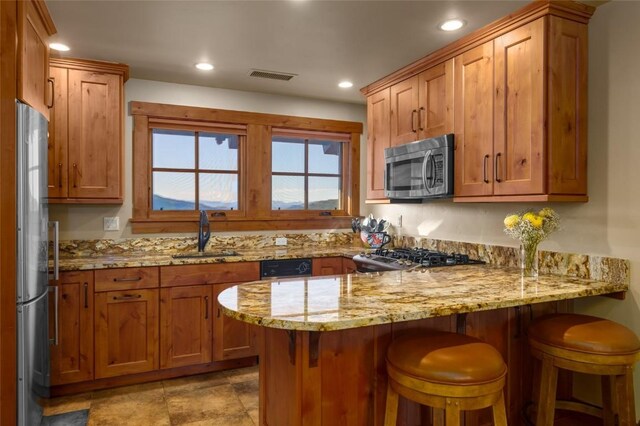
x: 185, y: 326
x: 519, y: 111
x: 126, y: 338
x: 404, y: 111
x: 231, y: 338
x: 94, y: 135
x: 435, y: 111
x: 33, y: 56
x: 473, y: 121
x: 378, y: 138
x: 72, y: 357
x: 326, y: 266
x: 348, y: 266
x: 59, y: 135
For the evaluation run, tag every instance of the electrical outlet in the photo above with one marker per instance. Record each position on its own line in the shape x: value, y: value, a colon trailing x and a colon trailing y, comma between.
x: 399, y: 222
x: 112, y: 223
x: 281, y: 241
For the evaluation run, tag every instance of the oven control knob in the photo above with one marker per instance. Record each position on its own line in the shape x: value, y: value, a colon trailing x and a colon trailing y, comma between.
x: 368, y: 255
x: 362, y: 253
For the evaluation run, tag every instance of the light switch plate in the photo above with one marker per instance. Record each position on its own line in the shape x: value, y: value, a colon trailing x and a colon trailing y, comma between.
x: 281, y: 241
x: 112, y: 223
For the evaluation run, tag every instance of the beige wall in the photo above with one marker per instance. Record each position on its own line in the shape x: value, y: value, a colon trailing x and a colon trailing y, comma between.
x: 609, y: 224
x: 86, y: 221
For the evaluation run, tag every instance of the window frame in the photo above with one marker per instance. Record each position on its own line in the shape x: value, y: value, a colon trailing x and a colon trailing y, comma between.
x: 254, y: 169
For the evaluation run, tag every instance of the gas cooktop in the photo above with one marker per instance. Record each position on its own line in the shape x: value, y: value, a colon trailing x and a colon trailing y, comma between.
x: 399, y: 259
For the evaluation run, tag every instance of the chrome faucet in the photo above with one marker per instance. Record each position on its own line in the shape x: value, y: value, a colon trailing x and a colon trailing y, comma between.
x: 203, y: 231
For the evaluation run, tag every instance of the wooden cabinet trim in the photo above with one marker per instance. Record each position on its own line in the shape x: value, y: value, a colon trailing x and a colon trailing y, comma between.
x: 569, y: 10
x: 92, y: 66
x: 126, y: 279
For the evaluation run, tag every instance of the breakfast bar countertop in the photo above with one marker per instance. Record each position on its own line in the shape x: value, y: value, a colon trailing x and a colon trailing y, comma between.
x: 349, y: 301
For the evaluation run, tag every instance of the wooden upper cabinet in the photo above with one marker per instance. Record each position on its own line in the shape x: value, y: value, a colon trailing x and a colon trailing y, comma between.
x: 474, y: 88
x: 519, y: 111
x: 34, y: 29
x: 435, y: 110
x: 126, y: 332
x: 86, y: 138
x: 378, y: 138
x: 72, y: 357
x: 186, y: 322
x: 404, y: 111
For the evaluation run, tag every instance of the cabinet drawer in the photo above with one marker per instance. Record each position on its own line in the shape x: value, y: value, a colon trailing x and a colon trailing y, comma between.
x: 209, y: 274
x: 126, y: 279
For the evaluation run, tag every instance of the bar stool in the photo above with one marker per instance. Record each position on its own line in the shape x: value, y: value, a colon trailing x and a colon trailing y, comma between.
x: 447, y: 371
x: 589, y: 345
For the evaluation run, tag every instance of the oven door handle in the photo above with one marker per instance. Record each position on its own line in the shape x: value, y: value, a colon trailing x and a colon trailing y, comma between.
x: 427, y: 185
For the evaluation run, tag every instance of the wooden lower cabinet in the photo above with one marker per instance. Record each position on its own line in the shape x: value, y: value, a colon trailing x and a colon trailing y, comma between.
x: 186, y: 323
x: 348, y: 266
x: 231, y: 338
x: 126, y: 332
x: 72, y: 356
x: 326, y: 266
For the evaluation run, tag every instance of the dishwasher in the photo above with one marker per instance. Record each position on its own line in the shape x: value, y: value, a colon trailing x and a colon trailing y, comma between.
x: 285, y: 268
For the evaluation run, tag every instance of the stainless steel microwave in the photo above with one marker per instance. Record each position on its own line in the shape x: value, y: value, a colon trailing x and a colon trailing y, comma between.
x: 420, y: 170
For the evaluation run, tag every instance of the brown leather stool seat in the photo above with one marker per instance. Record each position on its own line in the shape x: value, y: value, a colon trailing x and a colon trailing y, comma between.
x: 591, y: 345
x: 447, y: 371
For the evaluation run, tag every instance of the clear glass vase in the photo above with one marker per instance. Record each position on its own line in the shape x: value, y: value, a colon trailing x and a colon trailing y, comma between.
x: 529, y: 259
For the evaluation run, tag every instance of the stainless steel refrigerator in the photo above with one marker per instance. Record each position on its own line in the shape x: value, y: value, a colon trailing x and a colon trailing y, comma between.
x: 32, y: 266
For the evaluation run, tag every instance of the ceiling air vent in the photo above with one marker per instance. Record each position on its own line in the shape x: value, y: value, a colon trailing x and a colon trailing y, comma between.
x: 273, y: 75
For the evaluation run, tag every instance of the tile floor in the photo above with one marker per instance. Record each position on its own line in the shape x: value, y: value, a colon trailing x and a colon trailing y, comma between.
x: 221, y: 398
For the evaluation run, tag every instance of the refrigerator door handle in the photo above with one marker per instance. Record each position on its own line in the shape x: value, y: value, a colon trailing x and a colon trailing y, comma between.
x: 56, y: 250
x: 55, y: 290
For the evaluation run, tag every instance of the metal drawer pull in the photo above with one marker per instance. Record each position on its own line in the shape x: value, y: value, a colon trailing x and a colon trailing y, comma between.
x: 420, y: 118
x: 413, y: 120
x: 498, y: 155
x: 484, y: 169
x: 127, y: 297
x: 130, y: 279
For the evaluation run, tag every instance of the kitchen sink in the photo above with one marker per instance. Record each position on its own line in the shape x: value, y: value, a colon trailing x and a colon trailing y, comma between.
x: 204, y: 254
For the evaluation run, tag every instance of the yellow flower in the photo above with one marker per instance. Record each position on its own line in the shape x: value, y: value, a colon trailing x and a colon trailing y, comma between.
x: 546, y: 212
x: 533, y: 219
x: 511, y: 221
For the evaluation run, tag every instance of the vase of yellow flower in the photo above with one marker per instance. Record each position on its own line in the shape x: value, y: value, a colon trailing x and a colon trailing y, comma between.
x: 531, y: 228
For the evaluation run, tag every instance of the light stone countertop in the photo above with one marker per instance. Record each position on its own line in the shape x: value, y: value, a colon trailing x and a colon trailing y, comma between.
x: 350, y: 301
x: 133, y: 260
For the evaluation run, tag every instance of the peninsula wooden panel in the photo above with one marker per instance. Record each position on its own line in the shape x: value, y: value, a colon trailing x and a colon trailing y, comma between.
x: 519, y: 149
x: 231, y: 338
x: 474, y: 88
x: 435, y: 112
x: 404, y: 111
x: 568, y: 85
x: 126, y: 332
x: 209, y: 274
x: 72, y: 357
x: 326, y: 266
x: 58, y: 147
x: 94, y: 135
x: 126, y: 278
x: 185, y: 326
x: 378, y: 138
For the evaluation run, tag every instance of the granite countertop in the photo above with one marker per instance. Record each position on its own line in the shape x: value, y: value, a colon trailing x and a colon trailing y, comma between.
x: 358, y: 300
x: 133, y: 259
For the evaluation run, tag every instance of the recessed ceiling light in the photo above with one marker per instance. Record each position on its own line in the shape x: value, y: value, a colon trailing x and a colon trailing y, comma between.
x: 204, y: 66
x: 59, y: 46
x: 452, y: 25
x: 345, y: 84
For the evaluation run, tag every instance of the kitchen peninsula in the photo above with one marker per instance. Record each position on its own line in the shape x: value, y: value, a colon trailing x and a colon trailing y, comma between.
x: 324, y: 339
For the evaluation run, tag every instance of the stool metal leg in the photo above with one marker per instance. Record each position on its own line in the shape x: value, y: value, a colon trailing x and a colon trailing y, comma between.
x: 625, y: 399
x: 608, y: 401
x: 391, y: 411
x: 547, y: 396
x: 499, y: 412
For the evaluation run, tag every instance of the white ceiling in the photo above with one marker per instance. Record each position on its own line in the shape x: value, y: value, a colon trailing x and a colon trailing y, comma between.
x: 323, y: 42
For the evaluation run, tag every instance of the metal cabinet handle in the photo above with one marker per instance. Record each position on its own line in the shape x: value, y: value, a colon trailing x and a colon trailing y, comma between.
x: 127, y: 279
x: 56, y: 249
x: 484, y: 168
x: 413, y: 120
x: 75, y: 175
x: 127, y: 297
x: 206, y: 307
x: 59, y: 175
x: 421, y: 114
x: 55, y: 290
x: 498, y: 155
x: 53, y: 87
x: 86, y: 295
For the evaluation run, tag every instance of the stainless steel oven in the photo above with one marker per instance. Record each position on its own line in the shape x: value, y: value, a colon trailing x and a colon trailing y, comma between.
x: 419, y: 170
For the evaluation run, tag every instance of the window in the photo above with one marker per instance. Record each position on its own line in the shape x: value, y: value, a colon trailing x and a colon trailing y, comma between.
x: 194, y: 170
x: 306, y: 172
x: 250, y: 171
